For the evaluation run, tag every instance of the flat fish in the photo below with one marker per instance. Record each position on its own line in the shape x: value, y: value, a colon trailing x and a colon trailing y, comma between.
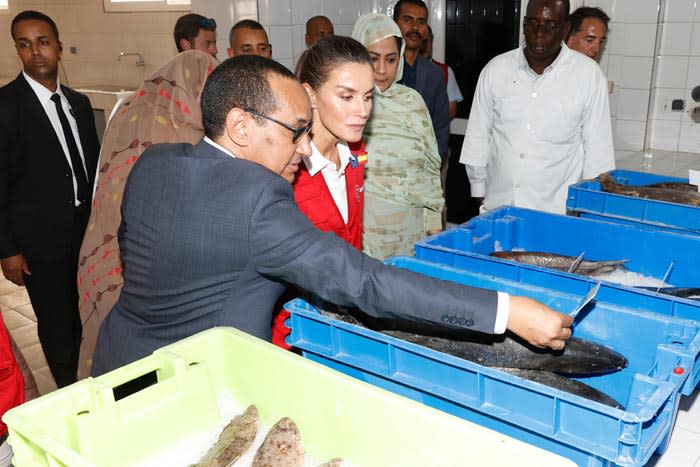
x: 565, y: 384
x: 561, y: 262
x: 579, y: 356
x: 235, y: 439
x: 648, y: 192
x: 282, y: 446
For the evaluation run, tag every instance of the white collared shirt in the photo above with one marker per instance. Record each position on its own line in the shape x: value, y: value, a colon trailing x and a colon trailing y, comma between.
x: 218, y: 146
x: 530, y: 136
x: 44, y: 96
x: 334, y: 177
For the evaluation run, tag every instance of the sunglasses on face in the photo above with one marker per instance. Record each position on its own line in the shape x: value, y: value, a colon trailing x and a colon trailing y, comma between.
x: 207, y: 23
x: 297, y: 133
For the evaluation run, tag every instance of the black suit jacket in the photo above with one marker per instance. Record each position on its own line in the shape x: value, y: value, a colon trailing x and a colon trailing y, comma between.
x: 36, y: 185
x: 430, y: 83
x: 207, y: 240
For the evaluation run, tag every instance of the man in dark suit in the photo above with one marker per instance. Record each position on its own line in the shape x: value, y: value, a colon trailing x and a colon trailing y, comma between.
x: 48, y: 155
x: 419, y: 72
x: 211, y: 232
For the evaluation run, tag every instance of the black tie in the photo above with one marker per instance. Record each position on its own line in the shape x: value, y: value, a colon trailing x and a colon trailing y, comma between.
x: 78, y: 170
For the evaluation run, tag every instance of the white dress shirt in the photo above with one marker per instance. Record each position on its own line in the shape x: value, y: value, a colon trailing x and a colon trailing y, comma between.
x: 530, y: 136
x: 334, y: 177
x: 44, y: 96
x: 211, y: 142
x: 453, y: 92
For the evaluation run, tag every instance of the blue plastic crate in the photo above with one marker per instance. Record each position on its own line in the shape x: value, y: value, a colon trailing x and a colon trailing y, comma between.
x: 649, y: 251
x: 587, y: 199
x: 587, y: 432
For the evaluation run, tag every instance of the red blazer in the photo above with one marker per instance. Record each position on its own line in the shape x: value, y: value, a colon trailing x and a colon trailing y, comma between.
x: 11, y: 380
x: 314, y: 199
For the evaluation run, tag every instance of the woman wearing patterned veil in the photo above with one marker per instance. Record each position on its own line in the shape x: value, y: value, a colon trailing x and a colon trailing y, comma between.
x: 164, y: 109
x: 403, y: 198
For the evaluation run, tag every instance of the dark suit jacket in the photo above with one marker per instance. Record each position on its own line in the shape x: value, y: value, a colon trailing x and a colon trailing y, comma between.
x: 206, y: 240
x: 36, y: 184
x: 430, y: 83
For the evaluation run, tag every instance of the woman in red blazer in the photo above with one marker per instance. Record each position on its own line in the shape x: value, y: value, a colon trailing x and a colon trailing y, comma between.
x: 12, y: 391
x: 337, y: 74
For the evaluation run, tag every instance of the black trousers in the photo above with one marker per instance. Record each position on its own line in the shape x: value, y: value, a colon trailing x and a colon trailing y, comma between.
x: 53, y: 291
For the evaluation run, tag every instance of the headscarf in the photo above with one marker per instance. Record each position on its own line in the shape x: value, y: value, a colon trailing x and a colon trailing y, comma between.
x: 374, y: 27
x: 403, y: 163
x: 164, y: 109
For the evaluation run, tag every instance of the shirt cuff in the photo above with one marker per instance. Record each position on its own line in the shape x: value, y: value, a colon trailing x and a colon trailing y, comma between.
x: 502, y: 313
x: 477, y: 189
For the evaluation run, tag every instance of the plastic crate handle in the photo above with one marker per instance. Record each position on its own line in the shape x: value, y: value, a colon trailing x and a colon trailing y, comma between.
x: 166, y: 365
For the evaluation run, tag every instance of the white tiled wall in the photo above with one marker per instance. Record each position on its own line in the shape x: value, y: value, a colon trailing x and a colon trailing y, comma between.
x: 285, y: 21
x: 678, y: 66
x: 286, y: 25
x: 226, y: 13
x: 628, y: 60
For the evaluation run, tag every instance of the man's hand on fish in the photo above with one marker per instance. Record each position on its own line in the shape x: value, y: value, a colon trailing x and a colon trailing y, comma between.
x: 538, y: 324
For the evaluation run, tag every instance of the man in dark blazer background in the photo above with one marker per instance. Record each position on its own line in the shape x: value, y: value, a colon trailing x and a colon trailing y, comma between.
x: 419, y: 72
x: 48, y: 155
x: 211, y: 232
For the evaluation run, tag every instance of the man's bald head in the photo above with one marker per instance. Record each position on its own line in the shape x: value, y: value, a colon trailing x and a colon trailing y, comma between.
x: 317, y: 28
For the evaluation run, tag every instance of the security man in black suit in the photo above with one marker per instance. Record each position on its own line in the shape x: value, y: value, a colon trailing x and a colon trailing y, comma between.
x: 48, y: 155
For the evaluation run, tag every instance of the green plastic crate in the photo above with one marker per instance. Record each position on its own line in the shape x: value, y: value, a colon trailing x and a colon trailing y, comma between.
x: 82, y: 425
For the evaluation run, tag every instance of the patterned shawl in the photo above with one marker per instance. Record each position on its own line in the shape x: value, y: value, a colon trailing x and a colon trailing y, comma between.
x: 164, y: 109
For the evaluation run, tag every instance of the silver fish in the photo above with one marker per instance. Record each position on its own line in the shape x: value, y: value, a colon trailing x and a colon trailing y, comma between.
x: 282, y: 446
x: 561, y: 262
x: 235, y: 439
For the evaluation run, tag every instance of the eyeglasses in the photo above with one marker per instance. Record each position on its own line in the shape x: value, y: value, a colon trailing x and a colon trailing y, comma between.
x: 207, y: 23
x: 297, y: 133
x: 548, y: 28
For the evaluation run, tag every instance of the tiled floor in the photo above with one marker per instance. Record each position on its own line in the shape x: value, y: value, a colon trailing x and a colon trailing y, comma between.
x: 19, y: 318
x: 683, y: 450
